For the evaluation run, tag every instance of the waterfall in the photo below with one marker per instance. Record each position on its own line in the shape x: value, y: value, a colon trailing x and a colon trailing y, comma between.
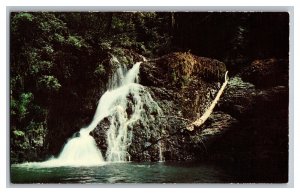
x: 124, y: 102
x: 161, y: 157
x: 118, y: 138
x: 82, y: 150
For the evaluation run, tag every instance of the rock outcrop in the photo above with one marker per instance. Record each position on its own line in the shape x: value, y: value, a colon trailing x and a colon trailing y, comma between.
x: 267, y: 73
x: 260, y: 138
x: 184, y: 86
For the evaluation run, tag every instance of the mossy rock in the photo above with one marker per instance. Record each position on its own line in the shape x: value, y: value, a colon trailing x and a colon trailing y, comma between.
x: 182, y: 66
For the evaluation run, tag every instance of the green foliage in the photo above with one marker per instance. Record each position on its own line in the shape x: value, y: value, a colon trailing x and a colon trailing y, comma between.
x: 119, y: 24
x: 20, y: 20
x: 76, y: 41
x: 59, y: 38
x: 49, y: 82
x: 105, y: 45
x: 47, y: 59
x: 47, y: 49
x: 27, y: 141
x: 24, y: 17
x: 100, y: 70
x: 41, y: 67
x: 22, y: 105
x: 18, y: 133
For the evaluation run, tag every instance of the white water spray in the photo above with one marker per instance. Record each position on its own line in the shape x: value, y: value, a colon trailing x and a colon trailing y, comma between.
x: 161, y: 157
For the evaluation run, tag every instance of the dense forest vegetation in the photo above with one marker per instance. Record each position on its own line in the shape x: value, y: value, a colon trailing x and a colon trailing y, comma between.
x: 59, y: 61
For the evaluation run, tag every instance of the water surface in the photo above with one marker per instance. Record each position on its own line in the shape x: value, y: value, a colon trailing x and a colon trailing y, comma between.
x: 123, y: 173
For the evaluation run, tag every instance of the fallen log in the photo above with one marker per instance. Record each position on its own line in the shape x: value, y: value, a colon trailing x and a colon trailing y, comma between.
x: 208, y: 112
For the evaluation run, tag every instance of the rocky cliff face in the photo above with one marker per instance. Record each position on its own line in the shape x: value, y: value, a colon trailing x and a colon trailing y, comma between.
x: 183, y: 86
x: 247, y: 124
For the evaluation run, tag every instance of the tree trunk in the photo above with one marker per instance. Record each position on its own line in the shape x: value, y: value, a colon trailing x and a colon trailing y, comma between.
x: 208, y: 112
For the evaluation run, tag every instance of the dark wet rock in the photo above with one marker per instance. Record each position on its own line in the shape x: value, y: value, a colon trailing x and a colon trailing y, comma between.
x: 217, y: 125
x: 145, y: 136
x: 182, y: 89
x: 185, y: 145
x: 238, y: 97
x: 261, y: 136
x: 240, y: 101
x: 179, y: 83
x: 267, y: 73
x: 99, y: 134
x: 242, y: 98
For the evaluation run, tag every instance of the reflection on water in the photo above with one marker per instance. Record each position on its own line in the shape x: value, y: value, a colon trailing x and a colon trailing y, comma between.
x: 123, y: 173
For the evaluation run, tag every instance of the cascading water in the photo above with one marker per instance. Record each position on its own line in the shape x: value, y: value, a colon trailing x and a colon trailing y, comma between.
x: 123, y: 87
x: 161, y: 157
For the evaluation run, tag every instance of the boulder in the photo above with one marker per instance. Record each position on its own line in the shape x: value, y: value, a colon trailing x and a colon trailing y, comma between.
x: 267, y: 72
x: 183, y: 85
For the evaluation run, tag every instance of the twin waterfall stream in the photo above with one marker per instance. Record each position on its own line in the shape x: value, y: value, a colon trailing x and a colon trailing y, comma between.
x: 81, y: 149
